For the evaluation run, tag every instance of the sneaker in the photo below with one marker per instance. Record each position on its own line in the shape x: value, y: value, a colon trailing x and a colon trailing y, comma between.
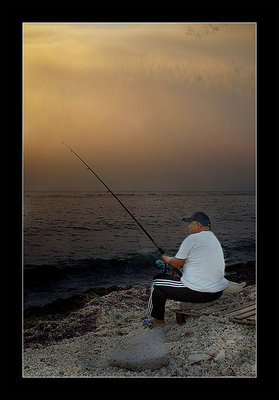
x: 147, y: 323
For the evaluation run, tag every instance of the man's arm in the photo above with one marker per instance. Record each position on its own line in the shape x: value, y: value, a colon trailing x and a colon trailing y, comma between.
x: 173, y: 261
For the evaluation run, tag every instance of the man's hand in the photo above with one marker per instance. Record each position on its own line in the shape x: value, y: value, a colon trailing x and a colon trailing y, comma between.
x: 173, y: 261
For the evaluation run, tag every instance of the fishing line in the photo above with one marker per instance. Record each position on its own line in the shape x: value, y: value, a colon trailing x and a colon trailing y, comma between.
x: 120, y: 202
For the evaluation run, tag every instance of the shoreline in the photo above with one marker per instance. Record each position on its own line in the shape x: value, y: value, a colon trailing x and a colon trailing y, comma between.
x: 237, y: 272
x: 45, y: 320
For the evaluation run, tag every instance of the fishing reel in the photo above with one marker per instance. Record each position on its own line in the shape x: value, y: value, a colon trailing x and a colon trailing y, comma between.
x: 164, y: 268
x: 167, y: 269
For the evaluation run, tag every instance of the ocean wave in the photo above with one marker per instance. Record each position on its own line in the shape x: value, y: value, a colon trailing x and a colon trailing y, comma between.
x: 242, y: 245
x: 80, y: 228
x: 45, y: 283
x: 135, y: 263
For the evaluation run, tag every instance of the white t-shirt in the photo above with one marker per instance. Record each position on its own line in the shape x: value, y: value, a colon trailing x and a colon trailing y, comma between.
x: 204, y: 266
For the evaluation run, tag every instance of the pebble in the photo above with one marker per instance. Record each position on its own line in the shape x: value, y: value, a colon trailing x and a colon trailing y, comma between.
x: 220, y: 356
x: 193, y: 358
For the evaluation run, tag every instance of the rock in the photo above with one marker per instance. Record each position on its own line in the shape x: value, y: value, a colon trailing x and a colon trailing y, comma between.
x: 233, y: 288
x: 226, y: 372
x: 211, y: 352
x: 144, y: 351
x: 197, y: 357
x: 220, y: 356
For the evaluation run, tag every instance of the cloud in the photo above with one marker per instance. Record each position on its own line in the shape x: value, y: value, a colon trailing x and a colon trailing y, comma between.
x: 138, y: 52
x: 140, y: 97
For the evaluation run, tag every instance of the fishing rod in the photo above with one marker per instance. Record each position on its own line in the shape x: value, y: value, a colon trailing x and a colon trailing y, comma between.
x: 120, y: 202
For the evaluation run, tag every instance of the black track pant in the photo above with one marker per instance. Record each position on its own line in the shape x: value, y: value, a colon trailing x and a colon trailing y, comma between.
x: 170, y: 287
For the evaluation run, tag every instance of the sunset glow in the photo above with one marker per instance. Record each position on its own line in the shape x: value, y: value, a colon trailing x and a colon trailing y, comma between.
x: 149, y: 106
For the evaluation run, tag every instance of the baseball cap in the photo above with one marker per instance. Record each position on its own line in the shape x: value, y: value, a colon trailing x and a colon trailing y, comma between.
x: 199, y: 217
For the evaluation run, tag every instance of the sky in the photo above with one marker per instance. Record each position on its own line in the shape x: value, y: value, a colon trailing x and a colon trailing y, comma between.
x: 160, y: 106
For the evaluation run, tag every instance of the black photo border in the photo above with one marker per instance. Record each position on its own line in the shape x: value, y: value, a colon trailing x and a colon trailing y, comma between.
x: 265, y: 13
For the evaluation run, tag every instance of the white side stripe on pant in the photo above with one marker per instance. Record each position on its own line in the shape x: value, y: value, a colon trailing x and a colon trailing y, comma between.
x: 164, y: 282
x: 161, y: 282
x: 150, y: 305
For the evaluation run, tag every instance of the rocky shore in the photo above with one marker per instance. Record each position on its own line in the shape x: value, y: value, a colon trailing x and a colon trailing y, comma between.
x: 75, y: 337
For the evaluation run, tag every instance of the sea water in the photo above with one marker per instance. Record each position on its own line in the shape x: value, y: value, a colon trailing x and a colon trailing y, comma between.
x: 74, y: 241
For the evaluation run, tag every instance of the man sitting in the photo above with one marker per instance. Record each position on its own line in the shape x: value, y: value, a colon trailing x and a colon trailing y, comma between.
x: 202, y: 259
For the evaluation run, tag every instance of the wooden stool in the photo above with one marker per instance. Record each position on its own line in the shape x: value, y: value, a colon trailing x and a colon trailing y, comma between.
x: 192, y: 310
